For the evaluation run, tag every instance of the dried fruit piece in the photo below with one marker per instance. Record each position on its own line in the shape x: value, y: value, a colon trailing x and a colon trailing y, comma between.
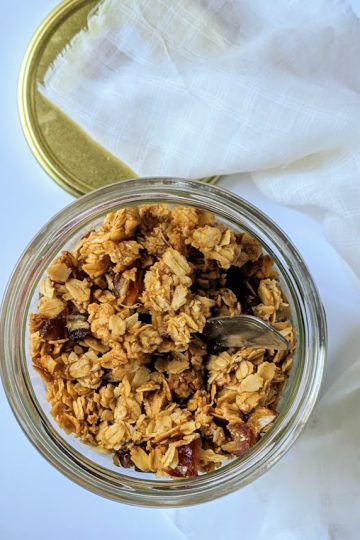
x: 79, y: 334
x: 134, y: 289
x: 117, y: 284
x: 123, y: 458
x: 127, y: 286
x: 242, y: 437
x: 77, y: 326
x: 54, y: 329
x: 145, y: 318
x: 188, y: 460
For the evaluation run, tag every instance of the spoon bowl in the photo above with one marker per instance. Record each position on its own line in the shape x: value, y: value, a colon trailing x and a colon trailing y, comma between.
x: 243, y: 331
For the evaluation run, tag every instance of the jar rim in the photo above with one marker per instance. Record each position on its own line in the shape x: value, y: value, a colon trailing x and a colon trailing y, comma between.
x: 238, y: 472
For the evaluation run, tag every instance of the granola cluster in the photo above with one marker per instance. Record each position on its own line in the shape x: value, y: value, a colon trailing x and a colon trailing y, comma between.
x: 117, y: 338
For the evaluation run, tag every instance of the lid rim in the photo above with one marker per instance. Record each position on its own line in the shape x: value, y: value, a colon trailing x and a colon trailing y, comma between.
x: 27, y: 106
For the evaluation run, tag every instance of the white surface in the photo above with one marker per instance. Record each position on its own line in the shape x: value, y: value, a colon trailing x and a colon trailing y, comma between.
x: 312, y: 494
x: 226, y: 87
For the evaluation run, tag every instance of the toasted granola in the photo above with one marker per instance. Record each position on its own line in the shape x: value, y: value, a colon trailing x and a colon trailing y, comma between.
x: 117, y: 338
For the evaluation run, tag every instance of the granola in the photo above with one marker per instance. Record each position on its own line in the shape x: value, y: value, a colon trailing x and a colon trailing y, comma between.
x: 117, y: 338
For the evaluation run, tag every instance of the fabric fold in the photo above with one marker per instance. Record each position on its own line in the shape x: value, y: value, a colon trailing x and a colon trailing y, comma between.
x: 213, y: 87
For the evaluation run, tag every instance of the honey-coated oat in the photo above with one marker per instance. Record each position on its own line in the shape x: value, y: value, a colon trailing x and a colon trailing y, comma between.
x: 117, y: 338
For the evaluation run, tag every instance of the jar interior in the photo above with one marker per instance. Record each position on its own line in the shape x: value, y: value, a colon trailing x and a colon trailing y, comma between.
x: 66, y: 240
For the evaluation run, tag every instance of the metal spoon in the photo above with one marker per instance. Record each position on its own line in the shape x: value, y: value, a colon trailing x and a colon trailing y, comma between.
x: 243, y: 331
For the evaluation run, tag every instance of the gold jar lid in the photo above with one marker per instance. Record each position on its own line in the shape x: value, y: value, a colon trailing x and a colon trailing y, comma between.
x: 64, y: 150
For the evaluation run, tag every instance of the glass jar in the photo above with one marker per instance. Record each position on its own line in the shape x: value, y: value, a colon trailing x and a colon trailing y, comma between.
x: 94, y: 470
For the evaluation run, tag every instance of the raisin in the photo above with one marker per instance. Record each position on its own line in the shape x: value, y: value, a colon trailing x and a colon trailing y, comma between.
x: 54, y: 329
x: 77, y: 326
x: 189, y: 458
x: 79, y: 334
x: 123, y: 458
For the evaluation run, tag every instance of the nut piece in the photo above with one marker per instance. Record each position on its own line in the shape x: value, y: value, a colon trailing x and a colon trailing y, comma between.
x: 261, y: 419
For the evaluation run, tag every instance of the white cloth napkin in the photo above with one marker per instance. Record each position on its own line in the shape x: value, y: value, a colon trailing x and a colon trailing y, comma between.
x: 203, y: 87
